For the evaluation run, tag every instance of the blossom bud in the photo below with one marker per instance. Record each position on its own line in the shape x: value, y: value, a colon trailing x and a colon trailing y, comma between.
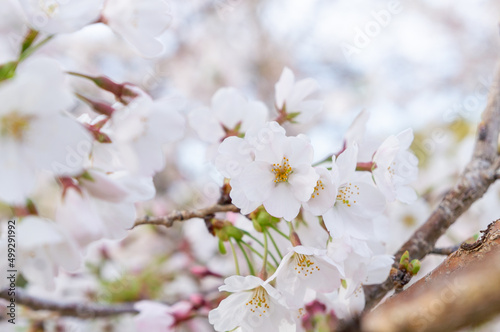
x: 98, y: 106
x: 414, y: 266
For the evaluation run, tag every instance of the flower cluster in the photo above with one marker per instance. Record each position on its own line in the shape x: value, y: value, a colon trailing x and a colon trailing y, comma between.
x: 100, y: 164
x: 273, y: 174
x: 95, y: 165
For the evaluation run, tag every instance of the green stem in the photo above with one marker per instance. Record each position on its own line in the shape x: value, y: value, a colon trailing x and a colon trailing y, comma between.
x: 253, y: 237
x: 260, y: 255
x: 262, y: 245
x: 250, y: 266
x: 274, y: 244
x: 236, y: 264
x: 280, y: 232
x: 266, y: 250
x: 34, y: 48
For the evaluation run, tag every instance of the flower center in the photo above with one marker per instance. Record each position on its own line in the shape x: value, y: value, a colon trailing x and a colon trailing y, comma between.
x: 304, y: 265
x: 319, y: 185
x: 391, y: 169
x: 14, y: 125
x: 346, y: 192
x: 258, y: 303
x: 282, y: 171
x: 49, y: 7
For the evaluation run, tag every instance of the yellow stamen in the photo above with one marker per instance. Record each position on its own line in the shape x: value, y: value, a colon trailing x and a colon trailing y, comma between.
x: 282, y: 171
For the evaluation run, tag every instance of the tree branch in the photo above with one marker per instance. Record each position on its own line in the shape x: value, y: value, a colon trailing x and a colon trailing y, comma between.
x: 444, y: 251
x: 462, y: 291
x: 479, y: 174
x: 80, y: 310
x: 182, y: 215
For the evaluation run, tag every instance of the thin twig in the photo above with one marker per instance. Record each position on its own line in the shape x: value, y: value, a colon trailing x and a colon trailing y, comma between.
x: 80, y: 310
x: 479, y: 174
x: 444, y: 251
x: 182, y: 215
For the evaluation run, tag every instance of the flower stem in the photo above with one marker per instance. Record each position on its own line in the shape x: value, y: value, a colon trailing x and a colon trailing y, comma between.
x: 280, y: 232
x: 266, y: 250
x: 250, y: 266
x: 32, y: 49
x: 262, y: 244
x: 237, y: 266
x: 274, y: 244
x: 260, y: 255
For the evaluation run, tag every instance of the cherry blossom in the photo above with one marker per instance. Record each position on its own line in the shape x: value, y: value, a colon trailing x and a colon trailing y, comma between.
x: 364, y: 263
x: 158, y: 317
x: 254, y: 305
x: 292, y: 96
x: 59, y: 16
x: 304, y: 268
x: 103, y: 206
x: 280, y: 176
x: 138, y: 132
x: 396, y: 167
x: 230, y: 114
x: 139, y: 22
x: 357, y: 200
x: 35, y: 133
x: 43, y: 248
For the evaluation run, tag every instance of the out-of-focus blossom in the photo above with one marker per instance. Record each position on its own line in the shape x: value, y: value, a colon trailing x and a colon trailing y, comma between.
x: 158, y: 317
x: 43, y: 248
x: 104, y: 206
x: 139, y: 22
x: 230, y: 114
x: 35, y: 134
x: 59, y: 16
x: 138, y: 132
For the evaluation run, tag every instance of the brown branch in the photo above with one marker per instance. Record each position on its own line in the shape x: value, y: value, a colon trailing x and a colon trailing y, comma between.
x: 479, y: 174
x: 444, y: 251
x: 462, y: 291
x: 80, y: 310
x: 169, y: 219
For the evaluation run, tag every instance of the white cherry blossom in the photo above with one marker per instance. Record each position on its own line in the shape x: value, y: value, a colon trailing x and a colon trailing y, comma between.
x: 43, y: 249
x: 138, y: 132
x: 280, y: 176
x: 357, y: 202
x: 35, y: 133
x: 140, y: 23
x: 325, y: 193
x: 396, y: 167
x: 364, y: 262
x: 292, y: 96
x: 253, y: 306
x: 230, y: 114
x: 158, y: 317
x: 306, y: 268
x: 104, y: 206
x: 61, y: 16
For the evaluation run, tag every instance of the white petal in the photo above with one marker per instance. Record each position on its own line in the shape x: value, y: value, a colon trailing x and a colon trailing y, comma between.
x: 230, y: 312
x: 228, y: 106
x: 206, y: 125
x: 257, y: 181
x: 284, y: 86
x: 282, y: 203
